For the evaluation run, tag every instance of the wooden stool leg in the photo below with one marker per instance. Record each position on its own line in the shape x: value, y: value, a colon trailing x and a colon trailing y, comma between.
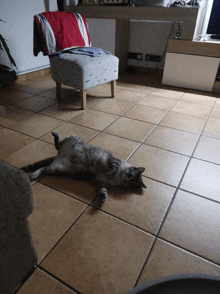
x: 113, y: 88
x: 83, y: 99
x: 58, y: 90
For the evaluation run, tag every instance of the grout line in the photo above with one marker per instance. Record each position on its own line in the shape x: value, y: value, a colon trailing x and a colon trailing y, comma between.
x: 190, y: 252
x: 63, y: 192
x: 207, y: 160
x: 120, y: 219
x: 56, y: 278
x: 150, y: 132
x: 180, y: 182
x: 168, y: 150
x: 160, y: 182
x: 201, y: 196
x: 143, y: 267
x: 64, y: 234
x: 24, y: 280
x: 173, y: 198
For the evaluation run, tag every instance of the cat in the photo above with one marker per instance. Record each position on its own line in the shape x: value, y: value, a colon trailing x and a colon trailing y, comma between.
x: 78, y: 158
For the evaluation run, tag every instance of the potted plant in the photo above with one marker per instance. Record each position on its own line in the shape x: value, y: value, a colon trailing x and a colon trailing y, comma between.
x: 7, y: 75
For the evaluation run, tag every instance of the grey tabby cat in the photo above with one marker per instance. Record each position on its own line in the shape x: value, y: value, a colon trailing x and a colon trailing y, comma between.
x: 77, y: 158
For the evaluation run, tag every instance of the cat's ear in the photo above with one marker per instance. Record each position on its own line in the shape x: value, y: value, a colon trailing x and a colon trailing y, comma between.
x: 141, y: 170
x: 142, y: 185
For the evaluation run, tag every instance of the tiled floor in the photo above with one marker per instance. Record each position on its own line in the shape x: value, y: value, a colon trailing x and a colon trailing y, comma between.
x: 171, y: 227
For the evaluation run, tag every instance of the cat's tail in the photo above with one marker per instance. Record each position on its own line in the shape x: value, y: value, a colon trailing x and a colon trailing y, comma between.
x: 39, y: 164
x: 56, y: 140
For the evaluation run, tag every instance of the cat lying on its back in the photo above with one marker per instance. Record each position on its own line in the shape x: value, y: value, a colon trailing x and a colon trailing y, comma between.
x: 75, y: 157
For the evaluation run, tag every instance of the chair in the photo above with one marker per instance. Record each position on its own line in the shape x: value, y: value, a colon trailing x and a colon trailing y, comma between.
x: 79, y: 71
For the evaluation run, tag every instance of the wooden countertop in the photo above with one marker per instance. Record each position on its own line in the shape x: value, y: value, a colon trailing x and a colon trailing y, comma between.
x: 185, y: 15
x: 137, y: 12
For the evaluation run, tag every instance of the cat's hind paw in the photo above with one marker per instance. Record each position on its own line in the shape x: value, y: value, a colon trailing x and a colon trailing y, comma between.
x: 102, y: 194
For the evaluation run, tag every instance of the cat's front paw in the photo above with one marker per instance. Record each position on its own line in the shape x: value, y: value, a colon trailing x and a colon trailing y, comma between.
x: 31, y: 178
x: 35, y: 175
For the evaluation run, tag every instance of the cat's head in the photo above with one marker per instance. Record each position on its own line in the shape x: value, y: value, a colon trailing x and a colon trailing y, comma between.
x: 133, y: 178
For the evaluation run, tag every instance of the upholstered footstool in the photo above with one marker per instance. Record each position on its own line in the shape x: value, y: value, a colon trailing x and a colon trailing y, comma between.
x: 83, y: 72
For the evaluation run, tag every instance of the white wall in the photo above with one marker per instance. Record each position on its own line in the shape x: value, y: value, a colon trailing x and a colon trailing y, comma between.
x: 150, y: 37
x: 146, y: 36
x: 18, y: 31
x: 102, y: 33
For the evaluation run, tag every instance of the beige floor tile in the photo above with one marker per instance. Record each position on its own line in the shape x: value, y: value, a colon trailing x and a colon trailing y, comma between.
x: 167, y: 259
x: 16, y: 85
x: 24, y: 81
x: 3, y: 110
x: 173, y: 140
x: 112, y: 240
x: 167, y: 93
x: 191, y: 108
x: 147, y: 78
x: 49, y: 82
x: 217, y: 103
x: 12, y: 141
x: 65, y: 93
x: 13, y: 114
x: 4, y: 101
x: 90, y: 101
x: 162, y: 165
x: 130, y: 79
x: 113, y: 106
x: 35, y: 88
x: 193, y: 224
x: 144, y: 209
x: 172, y: 88
x: 36, y: 125
x: 33, y: 152
x: 41, y: 282
x: 215, y: 114
x: 202, y: 178
x: 202, y: 99
x: 136, y: 88
x: 94, y: 119
x: 130, y: 96
x: 200, y: 92
x: 53, y: 214
x: 158, y: 102
x: 63, y: 111
x: 120, y: 147
x: 130, y: 129
x: 184, y: 122
x: 68, y: 129
x: 14, y: 96
x: 108, y: 263
x: 212, y: 129
x: 36, y: 103
x: 45, y: 79
x: 101, y: 91
x: 146, y: 113
x: 208, y: 149
x: 81, y: 190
